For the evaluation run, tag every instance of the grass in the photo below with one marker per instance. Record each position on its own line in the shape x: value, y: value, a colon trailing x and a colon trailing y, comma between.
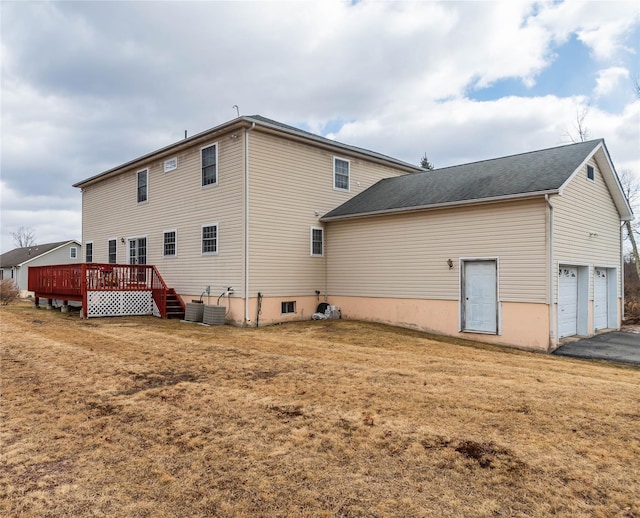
x: 145, y: 417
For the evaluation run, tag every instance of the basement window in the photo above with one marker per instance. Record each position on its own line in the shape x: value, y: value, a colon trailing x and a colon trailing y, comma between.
x: 288, y: 307
x: 591, y: 173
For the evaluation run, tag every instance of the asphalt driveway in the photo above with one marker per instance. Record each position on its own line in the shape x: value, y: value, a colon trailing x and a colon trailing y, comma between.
x: 617, y: 346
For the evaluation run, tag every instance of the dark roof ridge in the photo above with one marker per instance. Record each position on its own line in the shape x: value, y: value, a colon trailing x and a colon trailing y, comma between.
x: 593, y: 141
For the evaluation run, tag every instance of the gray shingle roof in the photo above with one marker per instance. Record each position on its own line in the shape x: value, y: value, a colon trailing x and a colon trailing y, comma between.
x: 18, y: 256
x: 510, y: 176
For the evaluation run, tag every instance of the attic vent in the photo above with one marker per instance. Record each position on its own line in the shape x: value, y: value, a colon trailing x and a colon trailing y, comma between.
x: 171, y: 164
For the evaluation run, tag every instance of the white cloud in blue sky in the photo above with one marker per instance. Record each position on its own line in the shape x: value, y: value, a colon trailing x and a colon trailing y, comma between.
x: 89, y: 85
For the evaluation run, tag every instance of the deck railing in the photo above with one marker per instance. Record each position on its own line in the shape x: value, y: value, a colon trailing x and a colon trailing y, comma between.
x: 73, y: 281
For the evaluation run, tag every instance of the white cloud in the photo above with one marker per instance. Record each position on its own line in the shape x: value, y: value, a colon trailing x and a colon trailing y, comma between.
x: 601, y: 25
x: 53, y: 218
x: 608, y: 79
x: 89, y: 85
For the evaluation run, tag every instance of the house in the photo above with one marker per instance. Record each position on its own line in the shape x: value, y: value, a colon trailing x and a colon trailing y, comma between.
x: 15, y: 263
x: 522, y: 250
x: 270, y: 220
x: 237, y: 206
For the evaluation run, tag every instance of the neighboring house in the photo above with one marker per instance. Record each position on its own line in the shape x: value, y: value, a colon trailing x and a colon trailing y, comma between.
x: 288, y: 219
x: 522, y: 250
x: 15, y: 264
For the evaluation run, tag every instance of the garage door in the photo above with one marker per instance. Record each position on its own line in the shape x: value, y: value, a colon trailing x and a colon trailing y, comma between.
x: 600, y: 299
x: 567, y: 301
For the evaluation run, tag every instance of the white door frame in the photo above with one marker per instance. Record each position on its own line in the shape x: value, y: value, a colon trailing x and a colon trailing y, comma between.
x: 462, y: 297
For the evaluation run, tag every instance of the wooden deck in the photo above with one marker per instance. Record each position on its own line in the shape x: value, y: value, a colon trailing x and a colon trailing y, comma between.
x: 76, y: 281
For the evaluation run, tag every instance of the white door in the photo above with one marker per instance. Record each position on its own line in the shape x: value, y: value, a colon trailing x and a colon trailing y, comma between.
x: 480, y: 296
x: 600, y: 299
x: 567, y: 301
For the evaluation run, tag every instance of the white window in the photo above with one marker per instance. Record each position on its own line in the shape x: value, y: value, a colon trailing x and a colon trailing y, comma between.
x: 171, y: 164
x: 591, y: 173
x: 170, y: 244
x: 209, y: 165
x: 288, y: 307
x: 73, y: 252
x: 340, y: 174
x: 113, y: 251
x: 210, y: 239
x: 143, y: 185
x: 317, y: 241
x: 88, y: 252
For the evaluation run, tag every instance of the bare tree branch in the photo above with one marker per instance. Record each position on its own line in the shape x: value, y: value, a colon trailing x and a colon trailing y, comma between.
x: 631, y: 188
x: 580, y: 133
x: 24, y: 237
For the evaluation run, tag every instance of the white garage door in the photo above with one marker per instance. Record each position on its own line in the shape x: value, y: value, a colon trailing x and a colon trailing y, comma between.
x: 567, y: 301
x: 600, y: 299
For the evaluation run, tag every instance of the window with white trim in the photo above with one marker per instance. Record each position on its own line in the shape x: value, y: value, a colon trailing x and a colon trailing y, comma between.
x: 341, y: 174
x: 113, y: 251
x: 143, y: 185
x: 88, y: 252
x: 170, y: 244
x: 317, y: 241
x: 591, y: 175
x: 288, y: 307
x: 209, y: 165
x: 210, y: 239
x: 73, y: 252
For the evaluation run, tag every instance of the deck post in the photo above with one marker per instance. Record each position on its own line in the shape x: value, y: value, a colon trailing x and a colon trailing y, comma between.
x: 49, y: 303
x: 36, y: 302
x: 65, y: 306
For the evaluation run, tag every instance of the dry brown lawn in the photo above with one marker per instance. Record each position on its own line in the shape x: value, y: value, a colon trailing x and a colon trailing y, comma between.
x: 134, y: 417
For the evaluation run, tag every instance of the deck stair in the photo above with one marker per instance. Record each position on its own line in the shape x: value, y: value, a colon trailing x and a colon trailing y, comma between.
x: 174, y: 305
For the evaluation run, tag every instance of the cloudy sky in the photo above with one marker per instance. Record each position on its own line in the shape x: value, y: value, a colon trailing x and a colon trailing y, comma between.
x: 87, y: 86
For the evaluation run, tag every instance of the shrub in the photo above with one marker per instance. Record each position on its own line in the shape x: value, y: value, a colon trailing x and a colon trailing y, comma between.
x: 8, y: 291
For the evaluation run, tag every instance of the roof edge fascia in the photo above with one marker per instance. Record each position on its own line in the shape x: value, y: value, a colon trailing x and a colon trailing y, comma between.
x: 435, y: 206
x: 332, y: 145
x: 237, y: 123
x: 246, y: 122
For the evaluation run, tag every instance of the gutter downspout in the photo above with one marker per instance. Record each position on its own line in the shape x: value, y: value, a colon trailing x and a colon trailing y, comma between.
x: 552, y: 322
x: 246, y: 223
x: 622, y: 268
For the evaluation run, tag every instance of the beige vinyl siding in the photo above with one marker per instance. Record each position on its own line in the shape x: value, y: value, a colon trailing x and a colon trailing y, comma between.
x: 177, y: 201
x: 584, y: 208
x: 289, y: 183
x: 405, y: 255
